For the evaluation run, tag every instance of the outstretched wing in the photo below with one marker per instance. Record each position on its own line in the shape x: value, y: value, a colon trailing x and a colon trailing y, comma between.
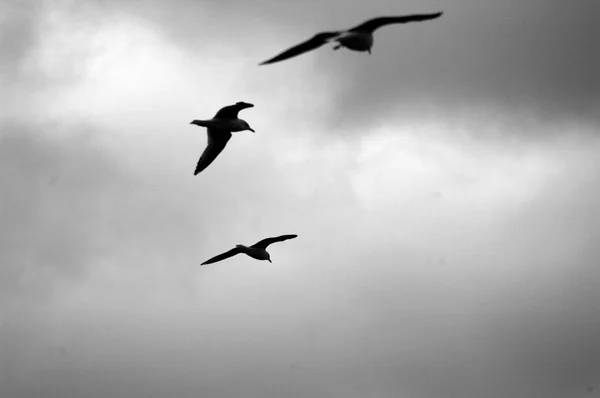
x: 376, y: 23
x: 231, y: 111
x: 266, y: 242
x: 217, y: 139
x: 223, y: 256
x: 311, y: 44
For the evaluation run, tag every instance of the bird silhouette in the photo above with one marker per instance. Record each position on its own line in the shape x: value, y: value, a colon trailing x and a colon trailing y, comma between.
x: 257, y: 250
x: 219, y: 130
x: 358, y: 38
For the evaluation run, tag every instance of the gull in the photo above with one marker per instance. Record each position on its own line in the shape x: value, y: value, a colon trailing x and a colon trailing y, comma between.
x: 257, y: 250
x: 358, y: 38
x: 219, y: 130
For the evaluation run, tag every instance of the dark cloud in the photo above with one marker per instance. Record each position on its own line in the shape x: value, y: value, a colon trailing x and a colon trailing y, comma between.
x: 440, y: 267
x: 538, y: 58
x: 535, y: 58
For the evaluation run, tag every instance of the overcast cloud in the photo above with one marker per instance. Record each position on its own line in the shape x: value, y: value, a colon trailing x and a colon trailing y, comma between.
x: 444, y: 189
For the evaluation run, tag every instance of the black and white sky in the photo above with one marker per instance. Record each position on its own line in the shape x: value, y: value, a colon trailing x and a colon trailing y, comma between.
x: 445, y: 192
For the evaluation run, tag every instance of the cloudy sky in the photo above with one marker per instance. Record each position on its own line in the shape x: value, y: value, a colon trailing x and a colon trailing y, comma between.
x: 445, y: 192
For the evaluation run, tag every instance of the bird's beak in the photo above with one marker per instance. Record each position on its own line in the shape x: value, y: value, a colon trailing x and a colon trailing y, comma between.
x: 270, y: 260
x: 251, y: 130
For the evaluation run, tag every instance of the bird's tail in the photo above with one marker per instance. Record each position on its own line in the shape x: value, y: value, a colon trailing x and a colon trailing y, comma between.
x: 201, y: 123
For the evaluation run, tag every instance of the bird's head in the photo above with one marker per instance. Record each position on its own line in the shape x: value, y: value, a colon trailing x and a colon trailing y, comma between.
x: 243, y: 105
x: 246, y: 126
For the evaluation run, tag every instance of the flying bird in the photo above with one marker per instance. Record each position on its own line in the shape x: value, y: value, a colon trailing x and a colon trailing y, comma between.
x: 257, y: 250
x: 358, y: 38
x: 219, y: 130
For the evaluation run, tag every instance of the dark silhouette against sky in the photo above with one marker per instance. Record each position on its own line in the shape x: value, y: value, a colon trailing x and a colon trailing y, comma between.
x: 445, y: 188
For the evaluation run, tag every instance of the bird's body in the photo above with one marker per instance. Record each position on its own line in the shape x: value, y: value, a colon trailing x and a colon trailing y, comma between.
x: 358, y: 38
x: 355, y: 41
x: 230, y: 125
x: 257, y: 251
x: 219, y: 130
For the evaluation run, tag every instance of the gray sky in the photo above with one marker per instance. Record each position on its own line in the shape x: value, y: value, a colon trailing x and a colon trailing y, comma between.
x: 444, y: 190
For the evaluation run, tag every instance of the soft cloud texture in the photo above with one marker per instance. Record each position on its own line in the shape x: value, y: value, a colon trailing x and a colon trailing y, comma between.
x: 444, y: 191
x: 539, y: 57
